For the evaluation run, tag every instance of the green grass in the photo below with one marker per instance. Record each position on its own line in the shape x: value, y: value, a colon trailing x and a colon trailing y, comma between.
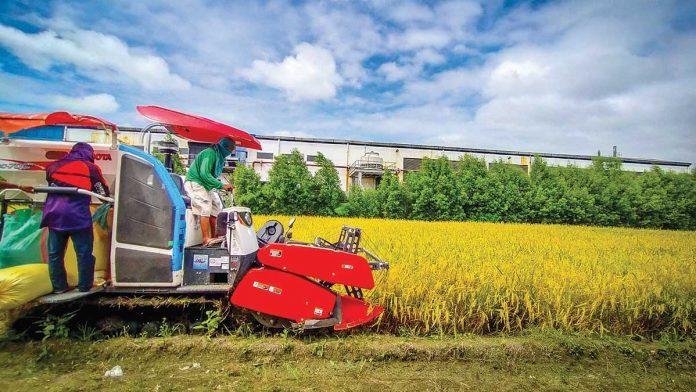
x: 538, y: 361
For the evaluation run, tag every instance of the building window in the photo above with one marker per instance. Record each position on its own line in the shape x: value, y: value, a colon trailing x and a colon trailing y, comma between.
x: 241, y: 155
x: 195, y: 148
x: 311, y: 158
x: 412, y: 164
x: 415, y: 164
x: 264, y: 155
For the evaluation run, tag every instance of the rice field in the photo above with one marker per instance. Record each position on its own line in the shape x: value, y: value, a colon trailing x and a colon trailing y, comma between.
x: 470, y: 277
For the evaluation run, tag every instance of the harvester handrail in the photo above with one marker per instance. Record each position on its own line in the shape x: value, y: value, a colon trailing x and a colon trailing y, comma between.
x: 71, y: 190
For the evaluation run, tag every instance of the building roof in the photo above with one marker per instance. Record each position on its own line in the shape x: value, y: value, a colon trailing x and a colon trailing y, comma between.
x: 642, y: 161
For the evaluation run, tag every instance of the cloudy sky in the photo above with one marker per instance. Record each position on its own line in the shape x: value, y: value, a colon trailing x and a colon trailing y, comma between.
x: 556, y: 76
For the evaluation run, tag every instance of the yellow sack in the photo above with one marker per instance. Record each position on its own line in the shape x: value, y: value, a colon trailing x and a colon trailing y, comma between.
x: 102, y: 248
x: 23, y: 283
x: 101, y: 252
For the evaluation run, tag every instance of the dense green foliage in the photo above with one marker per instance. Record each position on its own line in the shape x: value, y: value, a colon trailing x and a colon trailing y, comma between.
x: 326, y: 187
x: 248, y: 190
x: 291, y: 188
x: 177, y: 166
x: 601, y: 195
x: 392, y: 198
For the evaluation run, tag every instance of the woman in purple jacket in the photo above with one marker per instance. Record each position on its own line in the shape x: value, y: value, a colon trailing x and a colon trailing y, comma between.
x: 68, y: 215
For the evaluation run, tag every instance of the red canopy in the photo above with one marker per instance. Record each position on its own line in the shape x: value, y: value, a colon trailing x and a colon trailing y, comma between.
x: 13, y: 122
x: 196, y: 128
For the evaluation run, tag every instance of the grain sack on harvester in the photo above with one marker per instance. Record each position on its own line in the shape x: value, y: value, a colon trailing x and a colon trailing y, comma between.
x: 154, y: 240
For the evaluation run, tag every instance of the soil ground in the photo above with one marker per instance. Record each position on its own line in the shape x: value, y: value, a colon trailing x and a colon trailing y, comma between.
x: 362, y: 362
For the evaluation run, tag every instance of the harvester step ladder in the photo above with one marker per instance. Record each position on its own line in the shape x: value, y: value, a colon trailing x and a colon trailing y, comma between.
x: 204, y: 288
x: 68, y: 296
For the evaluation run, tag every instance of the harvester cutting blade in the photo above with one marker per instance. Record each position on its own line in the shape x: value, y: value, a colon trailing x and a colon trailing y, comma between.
x: 272, y: 321
x: 356, y: 312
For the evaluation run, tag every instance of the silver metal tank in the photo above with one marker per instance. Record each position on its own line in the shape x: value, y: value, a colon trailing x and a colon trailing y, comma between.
x: 372, y: 160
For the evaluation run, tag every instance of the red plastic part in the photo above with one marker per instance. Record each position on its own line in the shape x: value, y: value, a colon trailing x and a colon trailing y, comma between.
x: 320, y: 263
x: 356, y: 312
x: 15, y: 122
x: 283, y: 295
x: 197, y: 128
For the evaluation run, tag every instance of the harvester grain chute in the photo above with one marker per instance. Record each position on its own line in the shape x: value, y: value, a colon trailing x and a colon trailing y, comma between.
x: 155, y: 241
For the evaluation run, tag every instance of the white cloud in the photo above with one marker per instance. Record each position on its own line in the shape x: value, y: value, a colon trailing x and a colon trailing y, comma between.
x: 517, y: 76
x: 393, y: 72
x: 571, y: 76
x: 452, y: 85
x: 611, y: 77
x: 97, y: 103
x: 458, y: 15
x: 417, y: 38
x: 409, y: 12
x: 350, y: 35
x: 429, y: 56
x: 289, y: 133
x: 421, y: 26
x: 99, y: 56
x: 409, y: 68
x: 416, y: 123
x: 38, y: 96
x: 308, y: 75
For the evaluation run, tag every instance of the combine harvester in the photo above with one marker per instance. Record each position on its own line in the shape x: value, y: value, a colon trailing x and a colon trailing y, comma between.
x: 153, y: 243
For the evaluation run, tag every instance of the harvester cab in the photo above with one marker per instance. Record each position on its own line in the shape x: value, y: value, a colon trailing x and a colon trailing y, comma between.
x: 155, y: 245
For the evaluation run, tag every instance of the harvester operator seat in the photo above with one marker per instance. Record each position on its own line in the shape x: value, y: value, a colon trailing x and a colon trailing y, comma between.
x: 179, y: 182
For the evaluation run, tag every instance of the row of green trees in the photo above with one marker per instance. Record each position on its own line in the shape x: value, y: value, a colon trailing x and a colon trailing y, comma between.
x: 467, y: 190
x: 291, y: 189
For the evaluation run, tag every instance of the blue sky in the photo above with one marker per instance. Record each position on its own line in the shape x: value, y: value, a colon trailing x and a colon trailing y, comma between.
x: 548, y: 76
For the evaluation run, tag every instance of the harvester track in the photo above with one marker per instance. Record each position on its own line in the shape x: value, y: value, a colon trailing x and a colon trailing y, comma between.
x: 130, y: 315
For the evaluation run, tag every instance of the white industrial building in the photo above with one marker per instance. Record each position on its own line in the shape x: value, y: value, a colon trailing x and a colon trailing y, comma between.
x: 362, y: 162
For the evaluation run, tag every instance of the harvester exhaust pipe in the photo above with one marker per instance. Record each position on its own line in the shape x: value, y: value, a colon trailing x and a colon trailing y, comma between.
x: 168, y: 148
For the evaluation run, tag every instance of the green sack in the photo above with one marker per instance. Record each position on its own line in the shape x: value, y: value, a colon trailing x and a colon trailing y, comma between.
x: 21, y: 238
x: 101, y: 215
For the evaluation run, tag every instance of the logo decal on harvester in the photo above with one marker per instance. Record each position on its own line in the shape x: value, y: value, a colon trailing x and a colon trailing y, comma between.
x: 269, y: 288
x: 275, y: 290
x: 318, y: 311
x: 346, y: 266
x: 7, y: 164
x: 102, y: 157
x: 200, y: 262
x: 276, y: 252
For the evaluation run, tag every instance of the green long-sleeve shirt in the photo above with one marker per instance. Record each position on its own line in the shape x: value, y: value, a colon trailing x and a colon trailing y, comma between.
x: 201, y: 171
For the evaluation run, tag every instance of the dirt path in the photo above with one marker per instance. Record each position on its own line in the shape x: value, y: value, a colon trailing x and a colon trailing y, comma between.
x: 359, y: 363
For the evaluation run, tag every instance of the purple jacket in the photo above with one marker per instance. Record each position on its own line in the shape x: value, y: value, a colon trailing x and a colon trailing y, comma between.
x: 71, y: 212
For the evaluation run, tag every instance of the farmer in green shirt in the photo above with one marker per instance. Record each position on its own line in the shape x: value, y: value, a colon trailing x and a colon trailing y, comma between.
x: 202, y: 179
